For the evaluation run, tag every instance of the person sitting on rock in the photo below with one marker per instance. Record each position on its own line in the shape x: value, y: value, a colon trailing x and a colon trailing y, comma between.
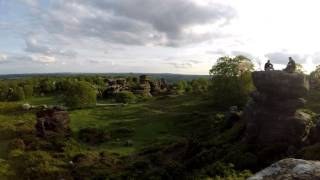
x: 291, y: 66
x: 268, y: 66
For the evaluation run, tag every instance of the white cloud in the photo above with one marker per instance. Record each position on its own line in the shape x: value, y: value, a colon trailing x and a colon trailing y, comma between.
x: 282, y: 57
x: 43, y: 59
x: 3, y: 57
x: 83, y: 33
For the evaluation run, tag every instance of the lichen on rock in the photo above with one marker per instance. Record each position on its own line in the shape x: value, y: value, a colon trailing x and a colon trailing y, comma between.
x: 290, y: 169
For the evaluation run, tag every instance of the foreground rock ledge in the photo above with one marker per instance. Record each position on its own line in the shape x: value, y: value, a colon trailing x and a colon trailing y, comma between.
x: 296, y: 169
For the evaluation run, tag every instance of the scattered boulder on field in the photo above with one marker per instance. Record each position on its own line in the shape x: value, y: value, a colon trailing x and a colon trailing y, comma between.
x: 26, y: 106
x: 53, y: 122
x: 297, y: 169
x: 272, y: 115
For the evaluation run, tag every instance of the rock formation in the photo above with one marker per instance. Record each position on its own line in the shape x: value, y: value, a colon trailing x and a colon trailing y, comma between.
x: 144, y: 87
x: 272, y: 115
x: 53, y: 122
x: 297, y: 169
x: 115, y: 86
x: 158, y: 86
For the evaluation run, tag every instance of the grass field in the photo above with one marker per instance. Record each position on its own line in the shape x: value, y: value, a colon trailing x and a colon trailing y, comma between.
x: 152, y: 121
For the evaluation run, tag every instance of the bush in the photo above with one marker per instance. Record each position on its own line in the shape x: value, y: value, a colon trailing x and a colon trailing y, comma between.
x: 125, y: 97
x: 94, y: 135
x: 5, y: 170
x: 17, y: 94
x: 231, y: 81
x: 28, y: 91
x: 80, y: 95
x: 39, y: 165
x: 17, y: 144
x: 122, y: 132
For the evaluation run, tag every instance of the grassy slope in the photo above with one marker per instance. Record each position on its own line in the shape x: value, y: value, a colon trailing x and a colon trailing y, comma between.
x: 152, y: 121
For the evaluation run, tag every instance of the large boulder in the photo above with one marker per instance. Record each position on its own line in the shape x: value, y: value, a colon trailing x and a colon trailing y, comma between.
x: 281, y: 84
x: 53, y: 122
x: 296, y: 169
x: 273, y: 115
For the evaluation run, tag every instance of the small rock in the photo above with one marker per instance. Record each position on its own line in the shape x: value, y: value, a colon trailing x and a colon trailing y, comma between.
x: 26, y: 106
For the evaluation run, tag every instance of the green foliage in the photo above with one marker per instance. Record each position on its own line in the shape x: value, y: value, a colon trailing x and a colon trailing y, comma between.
x: 219, y: 170
x: 80, y: 95
x: 17, y: 94
x: 200, y: 85
x: 46, y: 86
x: 28, y: 91
x: 5, y: 170
x: 231, y: 81
x: 181, y: 87
x: 94, y: 135
x: 125, y: 97
x: 39, y: 165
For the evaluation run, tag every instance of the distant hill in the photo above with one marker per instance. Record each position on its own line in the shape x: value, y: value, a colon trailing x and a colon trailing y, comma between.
x: 171, y: 78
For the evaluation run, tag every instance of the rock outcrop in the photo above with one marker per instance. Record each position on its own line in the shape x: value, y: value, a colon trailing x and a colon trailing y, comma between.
x: 296, y: 169
x: 53, y: 122
x: 144, y: 87
x: 272, y: 115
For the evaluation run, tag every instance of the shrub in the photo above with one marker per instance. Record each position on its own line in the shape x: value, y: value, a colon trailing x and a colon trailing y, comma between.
x: 17, y: 144
x: 17, y: 94
x: 80, y: 95
x: 94, y: 135
x: 28, y: 91
x: 125, y: 97
x: 5, y: 170
x: 39, y: 165
x: 122, y: 132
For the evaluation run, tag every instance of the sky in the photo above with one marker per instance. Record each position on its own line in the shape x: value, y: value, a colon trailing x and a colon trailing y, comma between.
x: 154, y: 36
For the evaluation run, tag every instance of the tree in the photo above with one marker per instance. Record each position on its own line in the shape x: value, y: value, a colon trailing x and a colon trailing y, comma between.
x: 230, y: 81
x: 300, y: 69
x: 17, y: 94
x: 46, y: 86
x: 125, y: 97
x: 199, y: 85
x: 315, y: 78
x: 28, y: 91
x: 80, y: 95
x: 181, y: 86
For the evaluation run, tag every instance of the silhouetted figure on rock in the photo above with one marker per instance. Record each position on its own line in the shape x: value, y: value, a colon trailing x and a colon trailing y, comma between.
x: 291, y: 66
x: 268, y: 66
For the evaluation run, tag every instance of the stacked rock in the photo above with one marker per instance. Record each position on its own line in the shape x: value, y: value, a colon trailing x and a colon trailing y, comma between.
x: 144, y: 87
x: 271, y: 116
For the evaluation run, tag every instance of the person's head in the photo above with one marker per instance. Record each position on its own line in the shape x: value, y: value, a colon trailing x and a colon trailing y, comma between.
x: 268, y: 61
x: 290, y: 59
